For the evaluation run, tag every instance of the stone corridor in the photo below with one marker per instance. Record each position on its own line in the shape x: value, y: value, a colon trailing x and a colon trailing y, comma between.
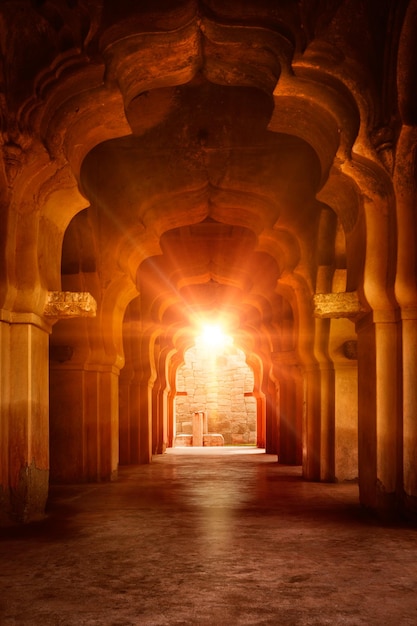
x: 171, y: 164
x: 208, y: 537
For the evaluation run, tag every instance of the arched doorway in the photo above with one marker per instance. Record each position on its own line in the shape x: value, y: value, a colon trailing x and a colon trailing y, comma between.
x: 216, y: 381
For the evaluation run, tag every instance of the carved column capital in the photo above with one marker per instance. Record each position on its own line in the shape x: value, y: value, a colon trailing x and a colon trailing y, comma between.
x: 66, y: 304
x: 343, y: 304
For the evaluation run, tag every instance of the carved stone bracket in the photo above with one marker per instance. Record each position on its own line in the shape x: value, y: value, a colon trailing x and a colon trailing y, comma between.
x: 343, y: 304
x: 65, y: 304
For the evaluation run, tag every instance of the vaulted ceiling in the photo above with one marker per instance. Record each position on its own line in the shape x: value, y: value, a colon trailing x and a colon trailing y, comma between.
x: 208, y: 140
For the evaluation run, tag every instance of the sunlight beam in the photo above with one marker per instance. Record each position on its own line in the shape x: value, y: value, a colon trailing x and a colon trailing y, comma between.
x: 213, y: 336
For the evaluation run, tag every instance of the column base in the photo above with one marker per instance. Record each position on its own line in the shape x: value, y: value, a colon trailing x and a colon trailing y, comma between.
x: 26, y: 502
x: 410, y: 507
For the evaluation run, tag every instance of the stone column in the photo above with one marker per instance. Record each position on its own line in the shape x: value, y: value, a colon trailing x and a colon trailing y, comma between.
x: 5, y: 482
x: 389, y: 418
x: 379, y: 364
x: 378, y: 413
x: 159, y: 409
x: 145, y: 423
x: 298, y: 407
x: 156, y: 419
x: 205, y: 422
x: 327, y: 423
x: 163, y: 400
x: 271, y: 443
x: 154, y: 404
x: 84, y: 397
x: 312, y: 429
x: 172, y: 390
x: 409, y: 328
x: 125, y: 380
x: 126, y: 434
x: 140, y: 450
x: 328, y: 308
x: 406, y: 291
x: 285, y: 425
x: 84, y: 423
x: 142, y: 401
x: 24, y: 446
x: 133, y: 402
x: 260, y: 419
x: 291, y: 415
x: 198, y: 428
x: 101, y: 423
x: 327, y: 399
x: 137, y: 421
x: 345, y: 358
x: 290, y: 407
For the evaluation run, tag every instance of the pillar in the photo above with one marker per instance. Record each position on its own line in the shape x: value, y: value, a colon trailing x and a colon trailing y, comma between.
x: 409, y: 337
x: 406, y: 283
x: 198, y: 428
x: 379, y: 425
x: 135, y: 424
x: 84, y: 423
x: 271, y: 440
x: 286, y: 420
x: 327, y: 400
x: 260, y: 419
x: 141, y: 399
x: 101, y: 422
x: 378, y: 328
x: 346, y: 403
x: 312, y: 426
x: 145, y: 423
x: 84, y: 398
x: 159, y: 405
x: 138, y: 439
x: 338, y: 446
x: 126, y: 434
x: 290, y: 408
x: 24, y: 446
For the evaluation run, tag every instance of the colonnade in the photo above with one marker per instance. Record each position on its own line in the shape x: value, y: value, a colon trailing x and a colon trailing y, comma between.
x: 94, y: 416
x: 314, y: 246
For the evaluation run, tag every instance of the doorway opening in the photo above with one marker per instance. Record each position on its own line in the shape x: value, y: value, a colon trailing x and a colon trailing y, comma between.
x: 215, y: 386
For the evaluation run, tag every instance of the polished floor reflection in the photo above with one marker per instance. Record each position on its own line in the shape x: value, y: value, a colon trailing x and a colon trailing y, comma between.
x: 211, y: 537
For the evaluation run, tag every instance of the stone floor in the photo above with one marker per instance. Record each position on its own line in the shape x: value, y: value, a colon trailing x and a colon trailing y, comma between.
x: 226, y: 537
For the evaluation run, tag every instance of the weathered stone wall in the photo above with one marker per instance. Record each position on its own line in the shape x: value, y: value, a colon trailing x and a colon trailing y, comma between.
x: 218, y: 384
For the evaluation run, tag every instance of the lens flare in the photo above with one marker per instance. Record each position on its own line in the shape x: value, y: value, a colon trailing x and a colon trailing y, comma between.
x: 213, y: 336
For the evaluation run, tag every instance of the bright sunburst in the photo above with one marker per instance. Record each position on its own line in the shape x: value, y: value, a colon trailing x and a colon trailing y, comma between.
x: 213, y: 336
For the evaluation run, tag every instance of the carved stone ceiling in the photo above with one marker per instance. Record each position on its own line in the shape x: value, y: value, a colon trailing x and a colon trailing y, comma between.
x: 203, y: 172
x: 232, y: 125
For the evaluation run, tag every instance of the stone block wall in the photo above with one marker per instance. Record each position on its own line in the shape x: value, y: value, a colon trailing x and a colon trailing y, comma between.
x: 220, y: 384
